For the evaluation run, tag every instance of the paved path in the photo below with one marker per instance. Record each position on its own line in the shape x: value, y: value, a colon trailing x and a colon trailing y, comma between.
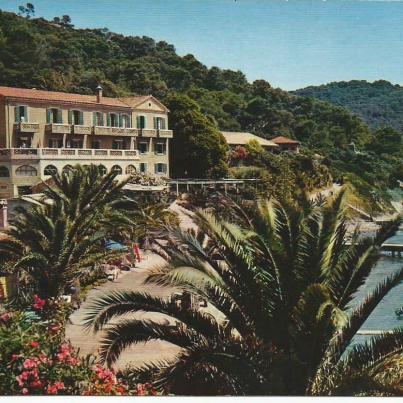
x: 89, y: 343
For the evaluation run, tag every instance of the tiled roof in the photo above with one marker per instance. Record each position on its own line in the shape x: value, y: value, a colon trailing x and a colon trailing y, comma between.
x: 59, y: 96
x: 138, y: 100
x: 284, y: 140
x: 241, y: 138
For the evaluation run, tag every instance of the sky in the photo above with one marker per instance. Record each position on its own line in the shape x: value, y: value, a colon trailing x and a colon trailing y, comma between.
x: 291, y: 44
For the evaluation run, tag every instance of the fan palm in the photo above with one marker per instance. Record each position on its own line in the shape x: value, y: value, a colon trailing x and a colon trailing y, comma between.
x: 54, y: 238
x: 282, y: 279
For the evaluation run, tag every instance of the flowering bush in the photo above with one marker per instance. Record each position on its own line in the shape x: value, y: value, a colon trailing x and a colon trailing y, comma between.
x: 35, y: 360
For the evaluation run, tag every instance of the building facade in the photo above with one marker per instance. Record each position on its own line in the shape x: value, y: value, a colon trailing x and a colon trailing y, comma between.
x: 42, y: 132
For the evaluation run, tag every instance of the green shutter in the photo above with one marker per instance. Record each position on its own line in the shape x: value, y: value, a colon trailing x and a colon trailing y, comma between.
x: 130, y: 120
x: 155, y: 123
x: 101, y: 122
x: 138, y: 122
x: 59, y: 116
x: 17, y: 114
x: 70, y: 117
x: 163, y: 124
x: 156, y: 168
x: 26, y: 113
x: 94, y: 118
x: 48, y: 115
x: 120, y: 120
x: 108, y: 119
x: 81, y: 118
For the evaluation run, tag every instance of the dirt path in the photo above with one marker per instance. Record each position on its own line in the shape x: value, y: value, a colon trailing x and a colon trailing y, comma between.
x: 89, y: 343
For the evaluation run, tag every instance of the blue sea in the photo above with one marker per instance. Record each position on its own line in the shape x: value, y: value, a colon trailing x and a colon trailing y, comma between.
x: 383, y: 317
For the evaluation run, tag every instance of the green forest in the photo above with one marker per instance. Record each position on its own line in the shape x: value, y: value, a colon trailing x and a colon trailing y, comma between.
x: 53, y: 55
x: 379, y: 103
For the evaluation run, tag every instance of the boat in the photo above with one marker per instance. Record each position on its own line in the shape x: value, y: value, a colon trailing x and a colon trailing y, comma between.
x: 399, y: 312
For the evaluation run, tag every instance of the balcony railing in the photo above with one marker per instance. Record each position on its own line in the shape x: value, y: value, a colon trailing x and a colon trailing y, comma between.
x: 26, y: 127
x: 66, y: 153
x: 81, y: 129
x: 165, y: 133
x: 121, y: 131
x: 58, y: 128
x: 18, y: 153
x: 148, y: 132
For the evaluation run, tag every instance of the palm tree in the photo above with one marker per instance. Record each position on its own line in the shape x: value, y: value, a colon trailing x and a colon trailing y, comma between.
x: 282, y: 278
x: 57, y: 237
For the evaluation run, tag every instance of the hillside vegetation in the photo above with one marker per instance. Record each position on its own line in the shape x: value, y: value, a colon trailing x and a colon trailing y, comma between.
x: 55, y: 56
x: 379, y: 104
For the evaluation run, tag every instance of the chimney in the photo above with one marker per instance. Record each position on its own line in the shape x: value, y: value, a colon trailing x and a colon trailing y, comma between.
x: 99, y: 93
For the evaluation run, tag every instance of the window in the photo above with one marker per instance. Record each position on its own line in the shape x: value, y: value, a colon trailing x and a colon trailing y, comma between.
x: 55, y: 143
x: 24, y: 142
x: 98, y: 118
x: 113, y: 120
x: 159, y: 123
x: 160, y: 148
x: 76, y: 117
x: 50, y: 170
x: 96, y: 144
x: 67, y: 169
x: 130, y: 170
x: 4, y: 172
x: 143, y: 148
x: 102, y: 169
x: 160, y: 168
x: 54, y: 115
x: 125, y: 121
x: 119, y: 144
x: 74, y: 143
x: 141, y: 122
x: 117, y: 169
x: 143, y: 167
x: 21, y: 114
x: 26, y: 170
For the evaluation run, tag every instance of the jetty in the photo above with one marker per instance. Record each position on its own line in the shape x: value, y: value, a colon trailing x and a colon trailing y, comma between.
x: 395, y: 248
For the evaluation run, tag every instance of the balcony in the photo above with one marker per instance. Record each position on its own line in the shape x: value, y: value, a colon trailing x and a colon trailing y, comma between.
x: 113, y: 131
x: 88, y: 154
x: 7, y: 154
x: 165, y: 133
x: 25, y: 127
x: 81, y: 129
x: 148, y: 132
x: 58, y: 128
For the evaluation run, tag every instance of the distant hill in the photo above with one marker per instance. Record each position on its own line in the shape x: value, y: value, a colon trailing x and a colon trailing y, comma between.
x: 379, y: 103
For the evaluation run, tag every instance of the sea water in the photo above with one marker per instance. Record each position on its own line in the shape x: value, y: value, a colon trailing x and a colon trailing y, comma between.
x: 383, y: 317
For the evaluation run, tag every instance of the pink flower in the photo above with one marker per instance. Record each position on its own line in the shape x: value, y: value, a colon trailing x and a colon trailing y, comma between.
x: 30, y: 363
x: 5, y: 317
x: 53, y: 389
x: 34, y: 344
x: 25, y: 391
x: 14, y: 357
x: 36, y: 384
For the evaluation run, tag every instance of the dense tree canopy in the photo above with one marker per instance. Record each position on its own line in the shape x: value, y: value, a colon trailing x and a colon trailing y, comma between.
x: 53, y: 55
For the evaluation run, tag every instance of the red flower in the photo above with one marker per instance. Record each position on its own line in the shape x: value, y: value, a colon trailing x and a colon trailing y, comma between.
x: 54, y: 329
x: 53, y: 389
x: 30, y: 363
x: 38, y: 303
x: 34, y: 344
x: 25, y: 391
x: 14, y: 357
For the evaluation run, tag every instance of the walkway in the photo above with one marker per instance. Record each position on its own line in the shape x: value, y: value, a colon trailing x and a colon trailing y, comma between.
x: 89, y: 343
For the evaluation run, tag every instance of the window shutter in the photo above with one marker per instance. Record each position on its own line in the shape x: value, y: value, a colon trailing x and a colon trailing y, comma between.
x: 120, y: 120
x: 94, y: 118
x: 155, y: 123
x: 17, y: 114
x: 81, y: 118
x: 48, y: 115
x: 156, y: 168
x: 26, y: 113
x: 130, y: 120
x: 59, y: 116
x: 138, y: 122
x: 101, y: 120
x: 70, y: 117
x: 163, y: 123
x: 108, y: 119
